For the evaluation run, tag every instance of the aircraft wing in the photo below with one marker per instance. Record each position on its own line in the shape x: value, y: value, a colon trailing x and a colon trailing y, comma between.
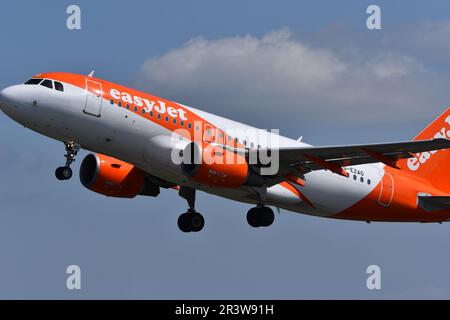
x: 333, y: 158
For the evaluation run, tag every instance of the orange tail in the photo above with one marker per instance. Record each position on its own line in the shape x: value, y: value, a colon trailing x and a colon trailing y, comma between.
x: 433, y: 165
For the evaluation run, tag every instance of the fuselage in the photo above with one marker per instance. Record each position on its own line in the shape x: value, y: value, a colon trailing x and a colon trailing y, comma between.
x: 138, y: 128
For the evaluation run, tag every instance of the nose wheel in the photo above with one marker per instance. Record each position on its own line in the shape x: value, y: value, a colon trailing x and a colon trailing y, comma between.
x: 65, y: 173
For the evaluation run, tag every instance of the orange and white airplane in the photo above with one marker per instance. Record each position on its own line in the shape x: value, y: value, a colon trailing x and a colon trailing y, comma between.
x: 144, y: 143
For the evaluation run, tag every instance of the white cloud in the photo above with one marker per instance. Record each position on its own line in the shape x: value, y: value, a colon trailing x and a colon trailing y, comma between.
x: 294, y: 82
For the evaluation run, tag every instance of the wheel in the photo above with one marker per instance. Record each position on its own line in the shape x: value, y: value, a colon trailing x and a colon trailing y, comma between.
x: 66, y: 172
x: 252, y: 217
x: 197, y: 222
x: 184, y: 223
x: 267, y: 216
x: 260, y: 217
x: 63, y: 173
x: 58, y: 173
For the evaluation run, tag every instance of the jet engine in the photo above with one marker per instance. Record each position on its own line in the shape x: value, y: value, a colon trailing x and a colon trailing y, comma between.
x: 215, y: 166
x: 114, y: 178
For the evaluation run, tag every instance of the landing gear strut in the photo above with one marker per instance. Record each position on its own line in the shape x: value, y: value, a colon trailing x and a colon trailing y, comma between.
x: 260, y: 216
x: 191, y: 221
x: 65, y: 173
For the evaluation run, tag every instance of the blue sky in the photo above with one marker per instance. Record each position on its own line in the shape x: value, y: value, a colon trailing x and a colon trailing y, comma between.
x: 345, y: 84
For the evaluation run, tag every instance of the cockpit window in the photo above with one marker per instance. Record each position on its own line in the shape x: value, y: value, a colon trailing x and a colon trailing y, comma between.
x: 47, y: 83
x: 59, y: 86
x: 33, y: 81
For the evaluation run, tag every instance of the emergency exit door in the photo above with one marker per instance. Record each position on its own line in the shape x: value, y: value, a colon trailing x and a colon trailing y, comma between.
x: 94, y: 98
x: 387, y: 190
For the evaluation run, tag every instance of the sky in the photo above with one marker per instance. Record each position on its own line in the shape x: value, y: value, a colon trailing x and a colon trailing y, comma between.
x: 308, y: 68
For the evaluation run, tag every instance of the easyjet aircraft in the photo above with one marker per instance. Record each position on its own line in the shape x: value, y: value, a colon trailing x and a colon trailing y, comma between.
x: 137, y: 138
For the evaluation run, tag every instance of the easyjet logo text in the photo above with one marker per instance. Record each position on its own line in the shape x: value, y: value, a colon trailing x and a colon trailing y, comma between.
x: 148, y: 105
x: 421, y: 158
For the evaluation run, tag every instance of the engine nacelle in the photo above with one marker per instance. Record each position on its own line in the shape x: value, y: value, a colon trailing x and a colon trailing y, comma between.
x: 114, y: 178
x: 214, y: 166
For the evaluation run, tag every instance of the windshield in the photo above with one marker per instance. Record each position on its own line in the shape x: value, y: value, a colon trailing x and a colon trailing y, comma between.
x: 33, y: 81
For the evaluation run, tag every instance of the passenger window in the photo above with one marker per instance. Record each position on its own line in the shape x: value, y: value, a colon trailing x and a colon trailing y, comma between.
x: 182, y: 123
x: 135, y: 109
x: 47, y: 83
x: 119, y: 104
x: 362, y: 179
x: 368, y: 181
x: 59, y: 86
x: 33, y: 81
x: 143, y: 111
x: 151, y: 113
x: 128, y: 107
x: 174, y: 121
x: 189, y: 125
x: 111, y: 101
x: 354, y: 177
x: 209, y: 134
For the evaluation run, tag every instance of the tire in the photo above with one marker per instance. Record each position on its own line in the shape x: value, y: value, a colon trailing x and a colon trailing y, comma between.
x: 197, y: 222
x: 183, y: 223
x: 66, y: 173
x: 252, y: 217
x: 267, y: 217
x: 58, y: 173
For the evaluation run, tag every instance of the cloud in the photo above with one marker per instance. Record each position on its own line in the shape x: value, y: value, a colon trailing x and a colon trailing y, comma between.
x: 292, y: 82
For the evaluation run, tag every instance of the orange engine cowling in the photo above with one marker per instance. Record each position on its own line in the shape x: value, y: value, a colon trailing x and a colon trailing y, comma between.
x: 113, y: 178
x: 214, y: 166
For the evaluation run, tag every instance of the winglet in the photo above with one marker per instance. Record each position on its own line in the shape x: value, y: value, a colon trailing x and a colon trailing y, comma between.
x: 91, y: 74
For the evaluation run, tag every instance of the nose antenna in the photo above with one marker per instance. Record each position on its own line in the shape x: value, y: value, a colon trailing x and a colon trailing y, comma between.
x: 91, y: 74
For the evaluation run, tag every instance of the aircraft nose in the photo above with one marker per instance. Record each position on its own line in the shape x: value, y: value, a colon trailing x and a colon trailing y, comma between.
x: 2, y: 99
x: 8, y: 95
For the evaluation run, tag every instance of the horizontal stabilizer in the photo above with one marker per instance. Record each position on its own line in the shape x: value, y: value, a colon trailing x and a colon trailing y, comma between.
x: 434, y: 203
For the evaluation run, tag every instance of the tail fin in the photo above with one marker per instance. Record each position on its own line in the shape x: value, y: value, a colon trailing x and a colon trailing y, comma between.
x: 433, y: 166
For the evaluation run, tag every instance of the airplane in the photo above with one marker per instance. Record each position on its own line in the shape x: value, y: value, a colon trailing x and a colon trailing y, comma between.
x: 142, y: 143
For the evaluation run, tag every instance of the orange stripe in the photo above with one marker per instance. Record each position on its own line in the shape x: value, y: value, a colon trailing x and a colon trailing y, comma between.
x: 295, y: 191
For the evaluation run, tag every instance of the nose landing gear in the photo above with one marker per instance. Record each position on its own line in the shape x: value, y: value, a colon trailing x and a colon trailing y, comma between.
x: 65, y: 173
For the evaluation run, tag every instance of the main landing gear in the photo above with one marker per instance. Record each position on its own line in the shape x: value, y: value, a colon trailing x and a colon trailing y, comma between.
x: 65, y: 173
x: 260, y: 216
x: 191, y: 221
